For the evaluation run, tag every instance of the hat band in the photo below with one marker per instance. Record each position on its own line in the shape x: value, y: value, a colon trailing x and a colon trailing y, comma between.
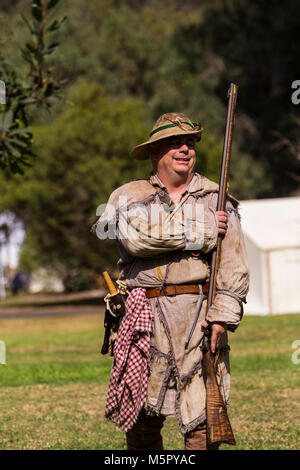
x: 170, y: 125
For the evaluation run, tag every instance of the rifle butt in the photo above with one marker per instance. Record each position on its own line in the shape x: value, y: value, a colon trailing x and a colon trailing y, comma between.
x: 218, y: 424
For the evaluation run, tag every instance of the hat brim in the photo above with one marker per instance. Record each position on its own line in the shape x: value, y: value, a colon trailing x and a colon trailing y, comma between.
x: 141, y: 151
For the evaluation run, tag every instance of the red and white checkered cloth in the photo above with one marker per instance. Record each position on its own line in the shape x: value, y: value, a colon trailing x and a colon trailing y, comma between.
x: 129, y: 375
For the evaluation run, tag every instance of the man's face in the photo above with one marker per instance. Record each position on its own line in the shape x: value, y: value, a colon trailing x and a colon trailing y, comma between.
x: 174, y: 155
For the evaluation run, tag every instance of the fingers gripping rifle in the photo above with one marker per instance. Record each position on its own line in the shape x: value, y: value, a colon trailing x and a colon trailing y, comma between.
x: 115, y: 311
x: 218, y: 424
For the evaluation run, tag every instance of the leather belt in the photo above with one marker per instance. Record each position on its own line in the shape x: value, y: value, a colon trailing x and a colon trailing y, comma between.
x: 176, y: 289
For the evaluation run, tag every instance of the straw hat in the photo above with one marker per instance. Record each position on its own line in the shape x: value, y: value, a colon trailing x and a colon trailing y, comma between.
x: 167, y: 125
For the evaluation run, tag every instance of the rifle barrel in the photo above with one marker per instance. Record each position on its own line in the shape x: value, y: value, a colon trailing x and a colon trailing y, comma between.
x: 232, y: 93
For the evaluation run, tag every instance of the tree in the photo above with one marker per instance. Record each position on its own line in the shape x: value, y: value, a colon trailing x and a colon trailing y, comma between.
x: 257, y: 44
x: 41, y: 88
x: 83, y: 156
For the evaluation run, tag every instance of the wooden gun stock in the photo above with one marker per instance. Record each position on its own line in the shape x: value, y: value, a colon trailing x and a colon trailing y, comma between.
x: 111, y: 287
x: 218, y: 424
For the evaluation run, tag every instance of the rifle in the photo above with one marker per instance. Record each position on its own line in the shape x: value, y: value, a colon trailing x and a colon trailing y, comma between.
x: 218, y: 424
x: 115, y: 311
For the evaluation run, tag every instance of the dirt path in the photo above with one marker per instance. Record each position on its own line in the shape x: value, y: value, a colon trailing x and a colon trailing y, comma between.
x: 46, y: 312
x: 56, y: 305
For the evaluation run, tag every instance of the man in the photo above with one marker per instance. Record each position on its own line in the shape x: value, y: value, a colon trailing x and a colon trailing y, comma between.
x: 166, y: 228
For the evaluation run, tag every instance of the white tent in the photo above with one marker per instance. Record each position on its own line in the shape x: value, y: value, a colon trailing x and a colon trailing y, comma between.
x: 271, y: 229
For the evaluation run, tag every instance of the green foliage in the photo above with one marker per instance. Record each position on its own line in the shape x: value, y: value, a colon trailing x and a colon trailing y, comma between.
x: 243, y: 167
x: 16, y: 139
x: 257, y: 44
x: 41, y: 88
x: 44, y: 86
x: 82, y: 157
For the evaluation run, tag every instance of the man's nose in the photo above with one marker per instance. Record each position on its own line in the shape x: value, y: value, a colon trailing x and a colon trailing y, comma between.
x: 184, y: 148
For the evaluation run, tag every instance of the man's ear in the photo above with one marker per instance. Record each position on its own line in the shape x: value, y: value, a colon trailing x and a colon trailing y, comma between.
x: 152, y: 148
x: 153, y: 155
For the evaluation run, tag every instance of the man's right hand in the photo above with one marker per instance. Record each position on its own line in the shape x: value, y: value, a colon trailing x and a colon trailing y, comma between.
x: 222, y: 222
x: 217, y: 329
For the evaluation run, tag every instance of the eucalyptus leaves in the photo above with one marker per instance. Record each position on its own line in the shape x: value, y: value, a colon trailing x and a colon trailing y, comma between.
x: 40, y: 88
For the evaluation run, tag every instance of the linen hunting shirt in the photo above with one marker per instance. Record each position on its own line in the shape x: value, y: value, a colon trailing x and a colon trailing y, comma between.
x: 171, y: 251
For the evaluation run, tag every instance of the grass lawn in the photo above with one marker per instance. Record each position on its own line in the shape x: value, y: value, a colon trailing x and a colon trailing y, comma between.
x: 53, y: 386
